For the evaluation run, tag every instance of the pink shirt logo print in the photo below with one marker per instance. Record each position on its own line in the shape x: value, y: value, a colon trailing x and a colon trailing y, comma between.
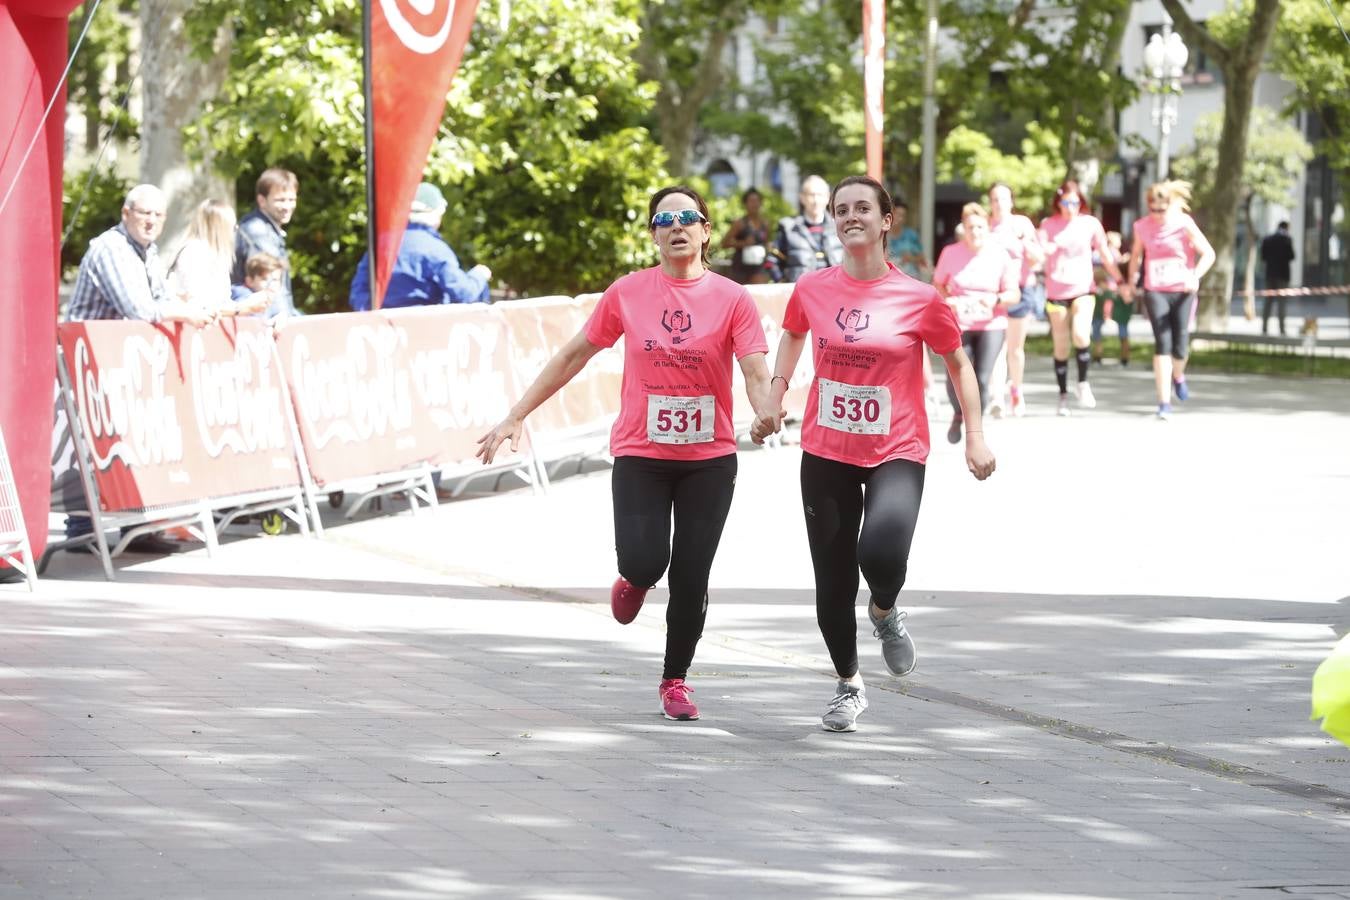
x: 852, y: 323
x: 678, y: 324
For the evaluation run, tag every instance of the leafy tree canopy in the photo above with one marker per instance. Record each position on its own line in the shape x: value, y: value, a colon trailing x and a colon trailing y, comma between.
x: 542, y: 146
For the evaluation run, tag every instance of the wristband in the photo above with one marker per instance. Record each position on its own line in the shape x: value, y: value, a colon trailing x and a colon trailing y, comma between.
x: 782, y: 378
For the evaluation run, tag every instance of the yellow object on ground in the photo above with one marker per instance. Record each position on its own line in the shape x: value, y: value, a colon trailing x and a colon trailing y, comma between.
x: 1331, y: 692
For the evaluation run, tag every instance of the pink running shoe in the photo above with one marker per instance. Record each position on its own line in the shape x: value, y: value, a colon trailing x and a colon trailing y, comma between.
x: 675, y: 702
x: 625, y: 599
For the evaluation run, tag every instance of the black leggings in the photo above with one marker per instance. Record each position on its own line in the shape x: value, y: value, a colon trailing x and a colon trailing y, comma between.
x: 838, y: 498
x: 1169, y: 312
x: 982, y: 347
x: 646, y: 491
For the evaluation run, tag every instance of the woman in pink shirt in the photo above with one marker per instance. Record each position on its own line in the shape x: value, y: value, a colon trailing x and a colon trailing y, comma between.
x: 673, y: 442
x: 865, y: 431
x: 979, y: 279
x: 1018, y: 235
x: 1069, y: 238
x: 1176, y: 256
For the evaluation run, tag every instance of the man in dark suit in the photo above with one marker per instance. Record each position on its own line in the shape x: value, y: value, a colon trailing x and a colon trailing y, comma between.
x: 1277, y: 252
x: 807, y: 242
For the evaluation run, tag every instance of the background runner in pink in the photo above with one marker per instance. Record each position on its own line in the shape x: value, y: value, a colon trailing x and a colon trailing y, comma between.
x: 870, y: 333
x: 1169, y: 254
x: 973, y: 280
x: 1069, y: 242
x: 1175, y: 255
x: 680, y: 335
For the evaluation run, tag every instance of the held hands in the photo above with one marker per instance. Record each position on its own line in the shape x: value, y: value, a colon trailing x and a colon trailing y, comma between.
x: 765, y: 424
x: 979, y: 459
x: 510, y: 427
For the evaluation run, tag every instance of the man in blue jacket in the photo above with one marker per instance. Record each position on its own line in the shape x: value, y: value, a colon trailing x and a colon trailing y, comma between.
x: 263, y: 230
x: 426, y: 271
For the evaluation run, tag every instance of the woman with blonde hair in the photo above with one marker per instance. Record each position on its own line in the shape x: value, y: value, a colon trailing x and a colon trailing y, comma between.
x: 1176, y: 256
x: 200, y: 273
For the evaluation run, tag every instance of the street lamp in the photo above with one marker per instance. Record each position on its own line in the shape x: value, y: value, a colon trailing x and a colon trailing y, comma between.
x: 1164, y: 60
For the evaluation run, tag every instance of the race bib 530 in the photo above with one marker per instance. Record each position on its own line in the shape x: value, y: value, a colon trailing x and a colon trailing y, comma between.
x: 855, y: 409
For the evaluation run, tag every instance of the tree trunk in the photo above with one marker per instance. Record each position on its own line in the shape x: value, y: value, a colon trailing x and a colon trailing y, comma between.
x: 1240, y: 65
x: 174, y: 84
x: 677, y: 105
x: 1249, y: 271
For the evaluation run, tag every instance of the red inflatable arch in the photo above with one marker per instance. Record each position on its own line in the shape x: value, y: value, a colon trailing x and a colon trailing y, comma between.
x: 32, y: 56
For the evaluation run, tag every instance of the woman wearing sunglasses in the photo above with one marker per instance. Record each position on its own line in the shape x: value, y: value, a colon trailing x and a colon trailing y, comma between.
x: 865, y: 432
x: 1176, y: 256
x: 1069, y: 238
x: 673, y: 443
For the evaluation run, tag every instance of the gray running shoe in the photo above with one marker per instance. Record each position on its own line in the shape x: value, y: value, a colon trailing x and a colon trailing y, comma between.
x: 848, y: 703
x: 897, y: 647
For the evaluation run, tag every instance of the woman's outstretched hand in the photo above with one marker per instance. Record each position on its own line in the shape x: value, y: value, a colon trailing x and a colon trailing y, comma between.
x: 510, y: 427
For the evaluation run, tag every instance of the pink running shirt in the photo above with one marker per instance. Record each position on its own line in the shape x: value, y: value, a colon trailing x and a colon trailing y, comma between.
x: 680, y: 335
x: 1013, y: 231
x: 973, y: 282
x: 865, y: 406
x: 1169, y: 257
x: 1068, y: 255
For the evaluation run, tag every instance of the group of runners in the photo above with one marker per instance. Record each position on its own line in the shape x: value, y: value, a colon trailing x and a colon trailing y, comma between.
x: 990, y: 278
x: 864, y: 435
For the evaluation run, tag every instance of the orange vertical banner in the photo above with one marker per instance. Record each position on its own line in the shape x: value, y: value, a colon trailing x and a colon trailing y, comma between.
x: 413, y: 51
x: 874, y: 78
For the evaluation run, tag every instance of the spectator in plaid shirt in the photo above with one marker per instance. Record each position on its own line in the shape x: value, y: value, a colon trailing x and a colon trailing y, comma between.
x: 120, y: 277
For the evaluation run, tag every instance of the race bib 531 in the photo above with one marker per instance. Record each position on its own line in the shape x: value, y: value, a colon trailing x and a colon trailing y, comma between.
x: 680, y: 420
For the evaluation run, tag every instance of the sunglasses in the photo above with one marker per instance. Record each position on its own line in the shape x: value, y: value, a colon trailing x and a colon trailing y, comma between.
x: 1070, y: 202
x: 685, y: 217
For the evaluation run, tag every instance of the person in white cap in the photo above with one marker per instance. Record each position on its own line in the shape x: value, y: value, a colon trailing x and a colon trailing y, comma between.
x: 426, y: 271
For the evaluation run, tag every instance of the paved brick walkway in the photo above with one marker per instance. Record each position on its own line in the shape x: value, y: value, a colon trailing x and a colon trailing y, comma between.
x: 1116, y: 637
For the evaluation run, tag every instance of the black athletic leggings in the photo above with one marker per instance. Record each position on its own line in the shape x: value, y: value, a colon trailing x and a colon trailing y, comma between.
x: 982, y: 347
x: 698, y: 492
x: 857, y: 517
x: 1169, y: 312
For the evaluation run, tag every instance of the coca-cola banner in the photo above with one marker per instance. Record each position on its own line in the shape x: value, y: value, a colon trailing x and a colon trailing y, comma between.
x: 176, y: 414
x: 353, y: 395
x: 388, y: 391
x: 538, y: 329
x: 460, y: 361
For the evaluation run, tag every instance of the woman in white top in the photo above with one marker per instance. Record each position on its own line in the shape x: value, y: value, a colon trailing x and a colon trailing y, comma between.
x: 200, y: 273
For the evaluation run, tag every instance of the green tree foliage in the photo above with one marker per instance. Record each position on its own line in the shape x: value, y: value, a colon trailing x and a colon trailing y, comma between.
x: 89, y: 207
x: 550, y: 118
x: 808, y: 107
x: 1311, y: 52
x: 98, y: 82
x: 1004, y: 66
x: 1274, y: 162
x: 547, y: 164
x: 685, y: 50
x: 971, y: 156
x: 1237, y: 41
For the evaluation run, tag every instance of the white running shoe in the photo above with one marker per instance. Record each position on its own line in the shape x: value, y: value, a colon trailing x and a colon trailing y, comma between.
x: 1085, y: 398
x: 1063, y: 409
x: 1019, y: 406
x: 848, y: 703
